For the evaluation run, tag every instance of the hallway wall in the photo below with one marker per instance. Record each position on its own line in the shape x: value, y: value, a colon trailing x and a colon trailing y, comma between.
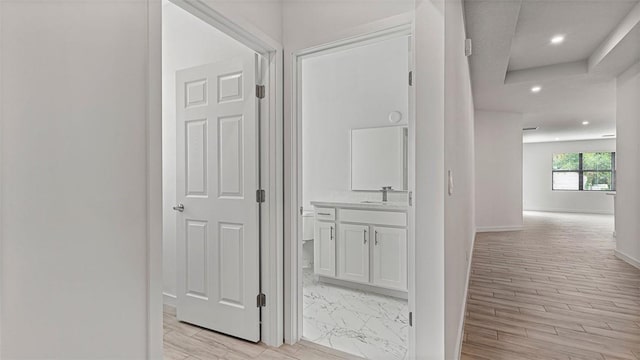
x: 78, y: 182
x: 628, y: 194
x: 459, y: 158
x: 498, y: 170
x: 537, y: 179
x: 429, y: 279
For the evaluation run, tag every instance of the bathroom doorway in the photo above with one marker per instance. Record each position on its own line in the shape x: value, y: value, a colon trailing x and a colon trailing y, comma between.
x: 354, y: 194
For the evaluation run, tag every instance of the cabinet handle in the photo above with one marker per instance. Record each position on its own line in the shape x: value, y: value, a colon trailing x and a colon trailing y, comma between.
x: 364, y: 237
x: 376, y: 237
x: 332, y: 233
x: 326, y: 214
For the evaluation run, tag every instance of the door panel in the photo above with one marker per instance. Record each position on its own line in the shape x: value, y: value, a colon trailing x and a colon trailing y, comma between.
x: 197, y: 259
x: 353, y: 252
x: 217, y: 163
x: 324, y: 249
x: 390, y: 257
x: 230, y: 156
x: 231, y: 260
x: 196, y: 163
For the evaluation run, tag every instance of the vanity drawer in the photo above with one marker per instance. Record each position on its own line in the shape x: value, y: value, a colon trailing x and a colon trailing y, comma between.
x: 328, y: 214
x: 374, y: 217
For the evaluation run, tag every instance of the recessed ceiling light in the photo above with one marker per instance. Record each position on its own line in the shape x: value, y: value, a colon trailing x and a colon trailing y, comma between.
x: 536, y: 89
x: 585, y: 123
x: 557, y: 39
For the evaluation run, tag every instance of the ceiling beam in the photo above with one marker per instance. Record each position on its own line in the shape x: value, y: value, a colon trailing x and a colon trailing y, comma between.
x: 623, y: 29
x: 548, y: 72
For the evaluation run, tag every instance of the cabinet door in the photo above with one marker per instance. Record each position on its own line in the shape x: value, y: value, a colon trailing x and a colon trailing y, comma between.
x: 324, y: 249
x: 390, y: 257
x: 353, y: 252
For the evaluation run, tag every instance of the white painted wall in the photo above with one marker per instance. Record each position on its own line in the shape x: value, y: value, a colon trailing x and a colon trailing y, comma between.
x: 429, y: 195
x: 74, y: 179
x: 350, y: 89
x: 537, y: 179
x: 186, y: 42
x: 459, y: 158
x: 628, y: 153
x: 309, y: 23
x: 498, y: 170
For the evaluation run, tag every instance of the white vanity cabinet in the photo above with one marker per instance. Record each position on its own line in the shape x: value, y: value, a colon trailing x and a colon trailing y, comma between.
x: 353, y: 252
x: 324, y: 248
x: 362, y: 245
x: 390, y: 257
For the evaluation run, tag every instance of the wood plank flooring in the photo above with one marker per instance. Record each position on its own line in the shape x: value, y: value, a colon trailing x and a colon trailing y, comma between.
x: 187, y: 342
x: 552, y: 291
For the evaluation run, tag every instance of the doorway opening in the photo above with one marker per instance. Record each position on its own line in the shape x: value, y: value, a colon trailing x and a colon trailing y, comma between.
x: 221, y: 166
x: 353, y: 227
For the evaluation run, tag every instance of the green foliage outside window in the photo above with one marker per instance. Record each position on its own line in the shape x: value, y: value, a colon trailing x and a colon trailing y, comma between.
x: 591, y: 171
x: 568, y: 161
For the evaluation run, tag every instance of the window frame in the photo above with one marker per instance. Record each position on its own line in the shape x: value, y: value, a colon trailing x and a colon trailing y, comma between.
x: 581, y: 171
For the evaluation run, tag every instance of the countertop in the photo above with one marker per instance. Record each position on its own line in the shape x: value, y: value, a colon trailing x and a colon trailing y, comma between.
x: 397, y: 206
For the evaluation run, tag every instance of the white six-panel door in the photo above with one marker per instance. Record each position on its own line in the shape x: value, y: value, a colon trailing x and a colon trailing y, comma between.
x: 217, y: 164
x: 353, y: 252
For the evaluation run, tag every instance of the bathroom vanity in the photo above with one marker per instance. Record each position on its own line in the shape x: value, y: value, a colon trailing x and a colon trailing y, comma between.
x: 362, y: 245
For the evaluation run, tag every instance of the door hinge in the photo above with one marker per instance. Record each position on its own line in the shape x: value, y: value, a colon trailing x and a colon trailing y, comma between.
x: 411, y: 319
x: 260, y: 91
x: 410, y: 198
x: 260, y: 196
x: 301, y: 210
x: 261, y: 300
x: 410, y: 78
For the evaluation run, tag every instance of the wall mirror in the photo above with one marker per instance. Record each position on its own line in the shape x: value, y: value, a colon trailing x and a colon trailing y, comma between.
x: 379, y: 158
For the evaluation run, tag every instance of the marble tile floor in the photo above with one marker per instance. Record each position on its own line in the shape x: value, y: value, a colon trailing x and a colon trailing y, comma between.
x: 354, y: 321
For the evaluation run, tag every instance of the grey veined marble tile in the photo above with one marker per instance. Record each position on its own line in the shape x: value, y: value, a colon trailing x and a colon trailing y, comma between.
x: 368, y: 325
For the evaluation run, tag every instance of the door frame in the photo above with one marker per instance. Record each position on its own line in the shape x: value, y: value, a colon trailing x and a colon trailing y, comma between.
x: 400, y: 25
x: 271, y: 170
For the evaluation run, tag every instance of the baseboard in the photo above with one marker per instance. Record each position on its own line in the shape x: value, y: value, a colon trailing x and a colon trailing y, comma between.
x: 481, y: 229
x: 169, y: 299
x: 464, y: 303
x: 364, y: 287
x: 628, y: 259
x: 571, y: 211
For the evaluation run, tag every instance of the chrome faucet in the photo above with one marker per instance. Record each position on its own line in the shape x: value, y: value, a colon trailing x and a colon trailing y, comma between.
x: 385, y: 192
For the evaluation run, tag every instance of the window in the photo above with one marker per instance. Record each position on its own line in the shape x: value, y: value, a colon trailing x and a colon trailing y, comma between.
x: 584, y: 171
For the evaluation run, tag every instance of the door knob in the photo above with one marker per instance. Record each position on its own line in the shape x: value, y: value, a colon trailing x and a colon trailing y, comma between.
x: 179, y: 208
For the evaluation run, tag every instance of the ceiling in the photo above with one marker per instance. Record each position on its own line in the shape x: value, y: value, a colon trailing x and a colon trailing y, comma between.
x: 512, y: 53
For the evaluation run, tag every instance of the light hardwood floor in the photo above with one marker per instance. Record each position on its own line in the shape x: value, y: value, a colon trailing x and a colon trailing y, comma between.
x: 187, y: 342
x: 552, y: 291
